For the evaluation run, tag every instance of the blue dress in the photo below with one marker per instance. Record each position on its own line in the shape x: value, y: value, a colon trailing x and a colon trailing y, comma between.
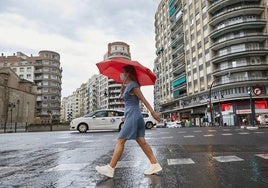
x: 134, y: 125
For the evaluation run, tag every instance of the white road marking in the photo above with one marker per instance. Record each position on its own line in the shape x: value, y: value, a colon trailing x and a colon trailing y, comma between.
x: 212, y: 130
x: 226, y: 134
x: 127, y: 164
x: 67, y: 167
x: 264, y: 156
x: 180, y: 161
x: 188, y: 136
x: 208, y: 135
x: 224, y: 159
x: 243, y: 133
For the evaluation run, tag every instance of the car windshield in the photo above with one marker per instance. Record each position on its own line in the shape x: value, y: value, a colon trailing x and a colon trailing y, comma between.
x: 90, y: 114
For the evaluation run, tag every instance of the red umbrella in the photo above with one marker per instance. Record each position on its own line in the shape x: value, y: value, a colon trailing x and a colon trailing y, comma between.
x: 113, y: 67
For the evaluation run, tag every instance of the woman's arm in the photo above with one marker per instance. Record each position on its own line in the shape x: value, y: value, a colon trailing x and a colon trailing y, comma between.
x: 139, y: 94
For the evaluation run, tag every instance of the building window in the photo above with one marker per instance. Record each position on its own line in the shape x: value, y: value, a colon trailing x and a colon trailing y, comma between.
x: 29, y: 69
x: 21, y: 69
x: 29, y: 76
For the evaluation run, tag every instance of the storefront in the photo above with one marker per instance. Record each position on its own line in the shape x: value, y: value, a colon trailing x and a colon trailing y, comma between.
x: 240, y: 112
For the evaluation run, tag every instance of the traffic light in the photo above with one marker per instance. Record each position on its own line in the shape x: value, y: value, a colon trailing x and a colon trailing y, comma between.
x: 249, y: 90
x: 208, y: 105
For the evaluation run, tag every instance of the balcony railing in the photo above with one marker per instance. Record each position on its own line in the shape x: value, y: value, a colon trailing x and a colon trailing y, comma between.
x: 238, y: 36
x: 234, y: 9
x: 239, y: 50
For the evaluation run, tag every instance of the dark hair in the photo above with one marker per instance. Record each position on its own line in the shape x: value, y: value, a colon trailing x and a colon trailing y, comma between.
x: 132, y: 72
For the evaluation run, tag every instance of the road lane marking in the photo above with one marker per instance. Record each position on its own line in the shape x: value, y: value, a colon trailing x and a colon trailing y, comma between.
x: 258, y: 132
x: 180, y: 161
x: 226, y: 134
x: 264, y: 156
x: 226, y: 129
x: 127, y: 164
x: 167, y: 137
x: 224, y: 159
x: 212, y: 130
x: 243, y: 133
x: 197, y: 131
x: 67, y: 142
x: 68, y: 167
x: 188, y: 136
x: 208, y: 135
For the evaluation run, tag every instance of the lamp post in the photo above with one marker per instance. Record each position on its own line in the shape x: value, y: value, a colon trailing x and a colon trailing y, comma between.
x: 11, y: 106
x: 50, y: 118
x: 252, y: 109
x: 210, y: 100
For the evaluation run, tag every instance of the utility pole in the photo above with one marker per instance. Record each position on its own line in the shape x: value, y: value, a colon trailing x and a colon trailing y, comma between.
x: 252, y: 107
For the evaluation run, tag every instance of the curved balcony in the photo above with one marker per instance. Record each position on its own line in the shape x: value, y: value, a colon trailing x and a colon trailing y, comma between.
x: 241, y: 68
x: 239, y: 52
x: 238, y: 25
x: 219, y: 4
x: 243, y: 81
x: 236, y: 39
x: 236, y: 11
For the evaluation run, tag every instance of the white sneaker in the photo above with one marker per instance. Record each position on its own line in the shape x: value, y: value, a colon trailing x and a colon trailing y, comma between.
x: 106, y: 170
x: 154, y: 168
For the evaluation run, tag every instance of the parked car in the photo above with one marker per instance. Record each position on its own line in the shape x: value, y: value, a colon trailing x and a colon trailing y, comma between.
x: 99, y: 120
x: 150, y: 122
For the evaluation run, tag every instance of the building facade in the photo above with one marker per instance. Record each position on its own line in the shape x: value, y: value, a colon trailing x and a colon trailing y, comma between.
x: 45, y: 71
x: 17, y: 99
x: 225, y: 58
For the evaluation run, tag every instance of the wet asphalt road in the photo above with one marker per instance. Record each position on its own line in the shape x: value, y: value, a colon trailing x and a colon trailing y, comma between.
x: 190, y: 157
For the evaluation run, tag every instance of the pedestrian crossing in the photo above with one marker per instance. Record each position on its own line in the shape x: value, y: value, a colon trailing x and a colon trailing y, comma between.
x: 206, y: 133
x: 169, y: 162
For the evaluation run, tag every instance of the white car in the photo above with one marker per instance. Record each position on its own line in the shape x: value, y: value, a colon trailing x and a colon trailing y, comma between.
x: 99, y: 120
x: 150, y: 122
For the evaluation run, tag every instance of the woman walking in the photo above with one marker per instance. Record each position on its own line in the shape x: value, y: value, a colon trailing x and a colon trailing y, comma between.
x: 134, y: 125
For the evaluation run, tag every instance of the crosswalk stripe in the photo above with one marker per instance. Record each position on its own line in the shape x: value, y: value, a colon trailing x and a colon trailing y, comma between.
x: 243, y: 133
x: 188, y: 136
x: 227, y: 134
x: 264, y: 156
x: 208, y: 135
x: 180, y: 161
x: 231, y: 158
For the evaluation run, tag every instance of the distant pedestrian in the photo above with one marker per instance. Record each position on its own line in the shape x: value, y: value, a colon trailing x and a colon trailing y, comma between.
x: 134, y: 125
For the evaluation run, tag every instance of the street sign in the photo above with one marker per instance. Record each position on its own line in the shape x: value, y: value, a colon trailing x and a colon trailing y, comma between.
x: 257, y: 91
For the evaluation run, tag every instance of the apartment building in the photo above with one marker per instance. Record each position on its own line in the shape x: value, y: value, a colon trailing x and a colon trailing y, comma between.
x: 225, y: 59
x: 45, y: 71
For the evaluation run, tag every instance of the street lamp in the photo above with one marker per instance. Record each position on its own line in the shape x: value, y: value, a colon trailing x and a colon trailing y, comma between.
x: 11, y: 106
x: 210, y: 104
x: 50, y: 118
x: 252, y: 109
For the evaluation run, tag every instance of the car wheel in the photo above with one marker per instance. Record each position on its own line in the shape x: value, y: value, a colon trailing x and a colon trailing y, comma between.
x: 82, y: 128
x: 149, y: 125
x: 120, y: 126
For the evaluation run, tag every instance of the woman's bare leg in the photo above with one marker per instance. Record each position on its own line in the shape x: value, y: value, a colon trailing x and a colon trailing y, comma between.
x: 118, y: 150
x: 146, y: 148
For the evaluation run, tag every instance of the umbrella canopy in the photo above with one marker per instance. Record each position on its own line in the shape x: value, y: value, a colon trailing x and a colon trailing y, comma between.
x: 113, y: 67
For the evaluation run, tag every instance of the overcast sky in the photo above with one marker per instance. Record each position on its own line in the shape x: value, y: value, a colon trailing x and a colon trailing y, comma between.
x: 79, y: 30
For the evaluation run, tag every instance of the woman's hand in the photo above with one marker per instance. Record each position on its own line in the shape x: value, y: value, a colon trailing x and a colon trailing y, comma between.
x: 156, y: 116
